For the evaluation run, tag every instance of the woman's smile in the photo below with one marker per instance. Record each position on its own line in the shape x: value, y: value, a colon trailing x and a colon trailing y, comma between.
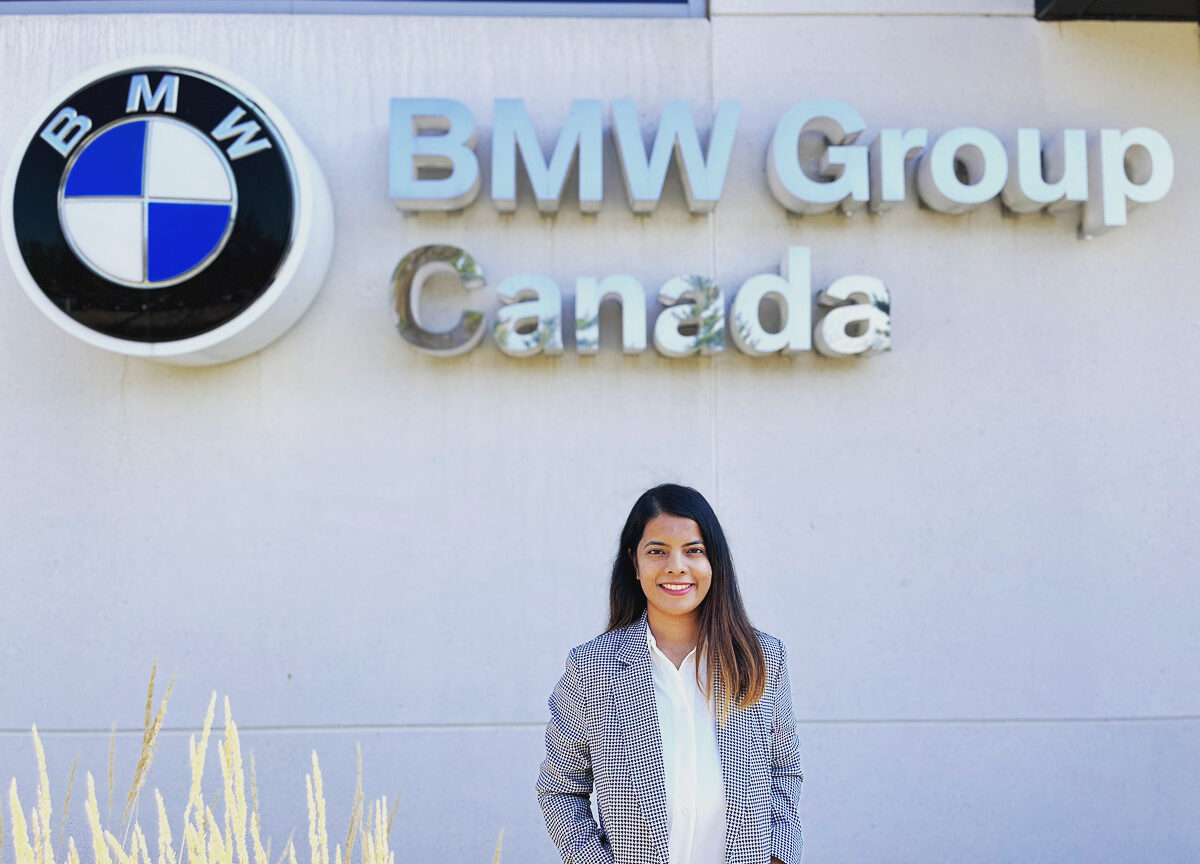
x: 676, y: 588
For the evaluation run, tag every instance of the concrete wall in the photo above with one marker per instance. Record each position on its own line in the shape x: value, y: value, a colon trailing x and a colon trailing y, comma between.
x: 980, y: 548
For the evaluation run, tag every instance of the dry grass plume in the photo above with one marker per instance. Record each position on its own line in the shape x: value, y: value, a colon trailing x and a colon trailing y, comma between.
x: 150, y: 729
x: 62, y: 828
x: 112, y: 757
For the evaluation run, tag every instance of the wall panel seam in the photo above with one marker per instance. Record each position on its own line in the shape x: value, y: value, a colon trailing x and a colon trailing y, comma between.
x: 538, y: 725
x: 714, y: 369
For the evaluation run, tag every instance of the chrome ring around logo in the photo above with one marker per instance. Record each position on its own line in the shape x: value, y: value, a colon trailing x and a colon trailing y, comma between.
x: 159, y: 210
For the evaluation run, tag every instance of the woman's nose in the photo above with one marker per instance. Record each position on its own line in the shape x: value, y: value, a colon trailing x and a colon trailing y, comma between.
x: 677, y: 564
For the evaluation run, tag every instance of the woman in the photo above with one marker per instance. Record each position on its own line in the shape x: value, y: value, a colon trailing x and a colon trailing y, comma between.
x: 686, y: 769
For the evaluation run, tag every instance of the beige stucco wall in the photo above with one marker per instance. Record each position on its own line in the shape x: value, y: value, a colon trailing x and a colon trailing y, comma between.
x: 979, y: 548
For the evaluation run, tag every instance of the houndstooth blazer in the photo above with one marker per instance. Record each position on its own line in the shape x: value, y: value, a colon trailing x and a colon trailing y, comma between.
x: 604, y: 730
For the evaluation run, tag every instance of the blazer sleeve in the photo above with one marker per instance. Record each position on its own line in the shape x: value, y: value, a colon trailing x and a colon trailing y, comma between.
x: 564, y: 783
x: 786, y: 776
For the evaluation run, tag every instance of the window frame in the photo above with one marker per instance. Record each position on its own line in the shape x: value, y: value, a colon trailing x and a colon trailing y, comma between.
x: 481, y: 8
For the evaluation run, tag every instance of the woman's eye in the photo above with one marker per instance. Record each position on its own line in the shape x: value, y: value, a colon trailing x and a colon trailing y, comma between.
x: 696, y: 549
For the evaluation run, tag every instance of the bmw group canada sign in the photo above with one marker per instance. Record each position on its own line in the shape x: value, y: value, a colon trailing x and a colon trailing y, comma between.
x: 157, y: 209
x: 162, y: 208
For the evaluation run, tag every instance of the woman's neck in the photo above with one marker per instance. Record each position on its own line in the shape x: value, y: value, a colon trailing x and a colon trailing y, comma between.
x: 674, y: 631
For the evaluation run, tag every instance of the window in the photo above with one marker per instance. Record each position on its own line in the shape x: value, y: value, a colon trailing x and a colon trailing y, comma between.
x: 1148, y: 10
x: 556, y: 8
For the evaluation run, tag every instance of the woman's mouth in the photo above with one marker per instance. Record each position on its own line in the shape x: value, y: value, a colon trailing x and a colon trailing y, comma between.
x: 676, y: 588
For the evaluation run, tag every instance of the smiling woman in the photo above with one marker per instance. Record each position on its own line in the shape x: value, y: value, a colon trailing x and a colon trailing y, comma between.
x: 675, y: 575
x: 679, y: 715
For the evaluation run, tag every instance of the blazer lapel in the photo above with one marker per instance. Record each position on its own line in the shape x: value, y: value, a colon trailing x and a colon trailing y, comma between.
x: 735, y: 741
x: 642, y: 739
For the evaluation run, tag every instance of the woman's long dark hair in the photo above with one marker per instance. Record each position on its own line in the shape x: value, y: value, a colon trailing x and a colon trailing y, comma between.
x: 729, y: 644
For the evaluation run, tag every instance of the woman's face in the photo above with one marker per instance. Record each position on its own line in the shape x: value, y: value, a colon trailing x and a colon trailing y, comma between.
x: 673, y: 567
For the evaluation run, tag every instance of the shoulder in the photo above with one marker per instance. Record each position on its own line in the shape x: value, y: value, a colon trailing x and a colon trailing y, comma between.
x: 774, y: 652
x: 771, y: 646
x: 594, y: 664
x: 595, y: 651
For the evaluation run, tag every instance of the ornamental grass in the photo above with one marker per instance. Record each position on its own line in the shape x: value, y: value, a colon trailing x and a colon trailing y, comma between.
x: 235, y: 837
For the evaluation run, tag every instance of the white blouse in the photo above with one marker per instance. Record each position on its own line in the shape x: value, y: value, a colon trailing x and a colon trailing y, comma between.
x: 691, y: 761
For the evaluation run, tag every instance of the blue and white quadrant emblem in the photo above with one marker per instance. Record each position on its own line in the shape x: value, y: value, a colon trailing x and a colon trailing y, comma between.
x: 159, y: 210
x: 148, y: 202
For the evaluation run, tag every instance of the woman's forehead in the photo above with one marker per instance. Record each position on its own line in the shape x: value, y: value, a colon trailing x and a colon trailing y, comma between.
x: 668, y: 528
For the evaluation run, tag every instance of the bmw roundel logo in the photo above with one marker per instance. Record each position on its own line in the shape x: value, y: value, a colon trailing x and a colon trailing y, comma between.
x: 158, y: 209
